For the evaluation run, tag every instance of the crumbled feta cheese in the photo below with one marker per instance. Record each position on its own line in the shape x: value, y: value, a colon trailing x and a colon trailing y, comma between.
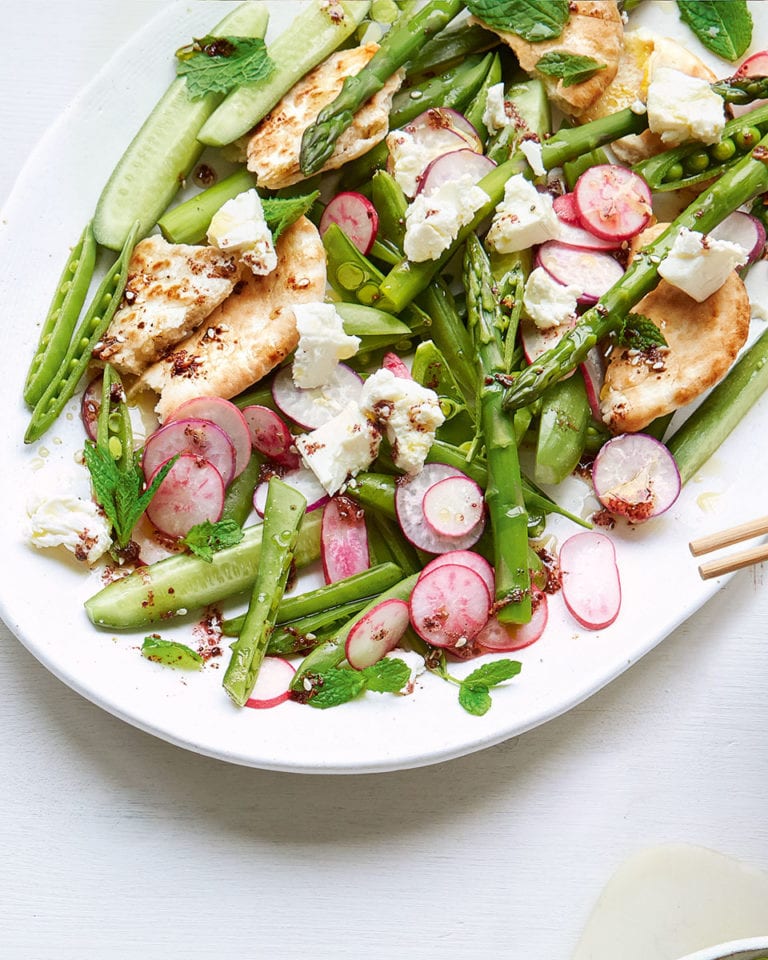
x: 757, y: 287
x: 638, y: 107
x: 699, y: 265
x: 340, y: 448
x: 548, y: 302
x: 682, y: 108
x: 410, y: 156
x: 239, y: 228
x: 409, y: 412
x: 495, y: 113
x: 68, y: 521
x: 523, y: 218
x: 531, y: 150
x: 433, y: 221
x: 322, y: 343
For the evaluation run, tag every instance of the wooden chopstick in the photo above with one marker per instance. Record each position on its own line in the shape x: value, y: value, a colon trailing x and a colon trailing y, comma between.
x: 726, y: 538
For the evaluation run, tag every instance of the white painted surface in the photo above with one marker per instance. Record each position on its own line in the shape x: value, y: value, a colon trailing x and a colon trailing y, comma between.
x: 114, y: 844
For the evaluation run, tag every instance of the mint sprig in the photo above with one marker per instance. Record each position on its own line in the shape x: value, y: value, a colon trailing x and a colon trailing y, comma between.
x: 723, y: 28
x: 475, y: 688
x: 341, y: 684
x: 170, y: 653
x: 207, y: 538
x: 281, y: 212
x: 533, y: 20
x: 637, y: 332
x: 571, y: 68
x: 219, y: 64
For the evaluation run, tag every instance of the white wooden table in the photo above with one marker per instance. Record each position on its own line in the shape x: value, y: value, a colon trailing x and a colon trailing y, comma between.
x: 115, y: 844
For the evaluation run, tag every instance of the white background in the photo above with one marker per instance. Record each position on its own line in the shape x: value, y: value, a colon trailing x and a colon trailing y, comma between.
x: 114, y: 844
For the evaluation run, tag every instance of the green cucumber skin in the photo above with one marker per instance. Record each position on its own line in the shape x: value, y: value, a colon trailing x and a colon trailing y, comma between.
x: 293, y: 55
x: 166, y: 148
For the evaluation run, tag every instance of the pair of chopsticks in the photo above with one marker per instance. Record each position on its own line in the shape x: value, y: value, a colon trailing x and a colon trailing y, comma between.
x: 726, y: 538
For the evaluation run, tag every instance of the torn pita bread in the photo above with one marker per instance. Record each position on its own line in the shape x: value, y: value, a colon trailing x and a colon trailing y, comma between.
x: 249, y: 334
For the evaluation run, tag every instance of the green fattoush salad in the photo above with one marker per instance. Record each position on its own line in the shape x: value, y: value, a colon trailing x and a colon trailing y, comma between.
x: 388, y: 278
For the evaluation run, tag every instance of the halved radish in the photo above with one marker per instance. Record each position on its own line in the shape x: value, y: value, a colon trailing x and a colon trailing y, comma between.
x: 754, y: 66
x: 356, y: 216
x: 301, y: 479
x: 565, y: 207
x: 453, y: 507
x: 313, y: 407
x: 592, y: 271
x: 465, y: 558
x: 343, y: 539
x: 612, y: 202
x: 199, y: 438
x: 593, y: 371
x: 273, y: 684
x: 191, y: 493
x: 452, y: 166
x: 90, y: 406
x: 449, y: 606
x: 225, y: 415
x: 497, y: 637
x: 573, y: 235
x: 536, y: 341
x: 636, y: 476
x: 395, y: 365
x: 745, y: 230
x: 270, y: 435
x: 590, y: 578
x: 378, y: 632
x: 435, y: 119
x: 409, y: 498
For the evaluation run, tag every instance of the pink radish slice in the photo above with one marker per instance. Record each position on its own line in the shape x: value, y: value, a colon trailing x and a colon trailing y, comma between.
x: 396, y: 366
x: 409, y: 497
x: 612, y: 202
x: 90, y: 406
x: 225, y: 415
x: 536, y: 342
x: 593, y: 371
x: 378, y: 632
x: 572, y: 235
x: 592, y: 271
x: 273, y: 684
x: 449, y: 606
x: 270, y: 435
x: 450, y: 167
x: 565, y: 208
x: 199, y: 438
x: 465, y: 558
x: 590, y: 577
x: 315, y: 406
x: 301, y: 479
x: 498, y: 637
x: 343, y: 540
x: 191, y: 493
x: 356, y: 216
x: 453, y: 507
x: 427, y: 124
x: 754, y: 66
x: 745, y: 230
x: 636, y: 476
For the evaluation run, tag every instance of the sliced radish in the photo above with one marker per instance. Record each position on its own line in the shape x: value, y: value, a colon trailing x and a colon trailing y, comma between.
x: 396, y: 366
x: 428, y: 124
x: 273, y: 684
x: 225, y: 415
x: 301, y: 479
x: 593, y: 371
x: 572, y: 235
x: 536, y: 341
x: 754, y: 66
x: 592, y: 271
x: 450, y: 167
x: 409, y: 498
x: 449, y: 606
x: 356, y: 216
x: 270, y: 435
x: 745, y: 230
x: 590, y: 577
x: 465, y: 558
x: 313, y: 407
x: 565, y: 207
x: 498, y: 637
x: 199, y: 438
x: 90, y: 406
x: 612, y: 202
x: 378, y: 632
x: 453, y: 507
x: 636, y: 476
x: 191, y: 493
x: 343, y: 539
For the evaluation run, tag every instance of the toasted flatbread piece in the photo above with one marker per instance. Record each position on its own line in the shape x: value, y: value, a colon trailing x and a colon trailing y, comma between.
x: 703, y: 338
x: 273, y: 148
x: 595, y: 29
x: 249, y: 334
x: 171, y: 289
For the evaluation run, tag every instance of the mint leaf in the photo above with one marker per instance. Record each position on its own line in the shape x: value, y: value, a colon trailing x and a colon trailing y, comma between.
x: 723, y: 28
x: 475, y: 698
x: 171, y: 654
x: 208, y: 538
x: 336, y: 686
x: 533, y: 20
x: 219, y: 64
x: 281, y: 212
x: 571, y: 68
x: 389, y: 675
x: 639, y: 333
x: 491, y: 674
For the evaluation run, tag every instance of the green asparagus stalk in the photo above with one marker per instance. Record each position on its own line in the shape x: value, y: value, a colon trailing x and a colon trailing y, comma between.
x: 189, y: 221
x: 306, y: 633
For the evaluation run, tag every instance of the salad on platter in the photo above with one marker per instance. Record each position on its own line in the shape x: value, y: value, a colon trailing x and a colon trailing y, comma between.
x: 380, y: 342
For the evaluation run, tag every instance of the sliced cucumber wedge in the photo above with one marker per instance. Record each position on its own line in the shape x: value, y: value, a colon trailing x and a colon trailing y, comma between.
x: 166, y: 148
x: 311, y: 38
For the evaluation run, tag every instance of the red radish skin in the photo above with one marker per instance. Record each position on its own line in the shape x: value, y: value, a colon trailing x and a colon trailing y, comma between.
x: 755, y: 65
x: 565, y: 208
x: 612, y: 202
x: 396, y: 366
x: 273, y: 684
x: 465, y: 558
x: 198, y: 438
x: 444, y: 118
x: 496, y: 637
x: 536, y: 341
x: 355, y: 215
x: 449, y: 606
x: 593, y: 371
x: 301, y: 479
x: 452, y: 166
x: 191, y: 493
x: 343, y: 540
x: 453, y: 507
x: 590, y: 578
x: 313, y: 407
x: 377, y: 633
x: 635, y: 476
x: 225, y: 415
x: 270, y: 436
x: 409, y: 497
x: 745, y: 230
x: 591, y: 271
x: 90, y: 406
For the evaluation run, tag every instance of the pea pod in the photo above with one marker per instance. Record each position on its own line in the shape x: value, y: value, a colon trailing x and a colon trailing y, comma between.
x: 238, y: 502
x: 565, y: 415
x: 114, y: 432
x: 454, y: 88
x: 452, y: 45
x: 391, y: 205
x: 476, y: 107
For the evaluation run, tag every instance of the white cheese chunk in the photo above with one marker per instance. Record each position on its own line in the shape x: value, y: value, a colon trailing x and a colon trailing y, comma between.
x: 523, y: 218
x: 757, y: 287
x: 495, y: 112
x: 409, y: 412
x: 433, y: 221
x: 410, y: 156
x: 548, y: 302
x: 340, y: 448
x: 699, y: 265
x: 322, y: 343
x: 683, y: 108
x: 531, y: 150
x: 239, y: 228
x: 68, y: 521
